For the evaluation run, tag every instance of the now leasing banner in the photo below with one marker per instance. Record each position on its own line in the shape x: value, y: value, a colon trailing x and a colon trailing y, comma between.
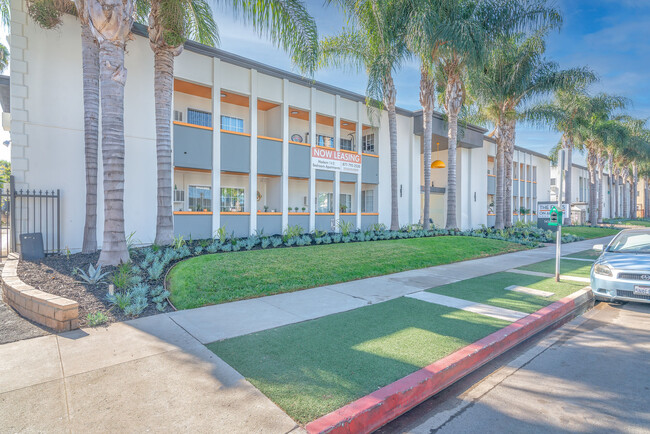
x: 338, y: 161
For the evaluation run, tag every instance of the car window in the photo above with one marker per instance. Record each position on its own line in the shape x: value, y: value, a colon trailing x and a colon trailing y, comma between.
x: 630, y: 243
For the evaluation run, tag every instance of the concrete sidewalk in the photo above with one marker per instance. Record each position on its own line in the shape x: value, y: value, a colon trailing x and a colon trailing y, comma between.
x: 155, y: 374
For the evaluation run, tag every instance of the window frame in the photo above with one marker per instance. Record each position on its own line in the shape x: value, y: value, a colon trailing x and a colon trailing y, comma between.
x: 189, y: 197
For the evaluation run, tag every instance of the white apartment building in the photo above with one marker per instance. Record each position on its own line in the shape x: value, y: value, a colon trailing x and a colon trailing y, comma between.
x: 255, y: 148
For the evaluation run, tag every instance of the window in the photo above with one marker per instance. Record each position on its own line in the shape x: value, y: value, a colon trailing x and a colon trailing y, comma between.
x: 325, y: 202
x: 553, y: 181
x: 232, y: 124
x: 325, y: 141
x: 367, y: 201
x: 346, y: 145
x: 345, y: 202
x: 198, y: 117
x: 200, y: 198
x: 232, y: 200
x: 368, y: 143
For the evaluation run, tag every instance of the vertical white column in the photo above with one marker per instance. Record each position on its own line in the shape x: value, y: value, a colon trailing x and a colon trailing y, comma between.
x: 336, y: 187
x: 312, y: 171
x: 285, y: 154
x: 216, y: 144
x: 358, y: 184
x: 414, y: 185
x: 252, y: 178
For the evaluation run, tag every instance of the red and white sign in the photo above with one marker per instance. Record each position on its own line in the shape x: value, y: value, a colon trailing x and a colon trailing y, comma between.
x: 338, y: 161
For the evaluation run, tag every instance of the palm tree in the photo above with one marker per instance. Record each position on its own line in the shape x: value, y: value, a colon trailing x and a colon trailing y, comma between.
x: 427, y: 99
x: 171, y: 23
x: 47, y: 14
x: 376, y: 41
x: 456, y: 35
x: 562, y: 114
x: 110, y: 22
x: 598, y: 130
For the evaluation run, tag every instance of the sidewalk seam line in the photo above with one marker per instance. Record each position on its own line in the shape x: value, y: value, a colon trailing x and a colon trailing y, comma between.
x: 65, y: 382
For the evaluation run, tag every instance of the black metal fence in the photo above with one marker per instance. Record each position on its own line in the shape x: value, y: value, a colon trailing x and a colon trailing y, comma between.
x: 27, y: 212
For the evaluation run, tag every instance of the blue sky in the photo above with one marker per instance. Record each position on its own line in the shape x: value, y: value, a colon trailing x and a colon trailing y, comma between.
x: 610, y: 36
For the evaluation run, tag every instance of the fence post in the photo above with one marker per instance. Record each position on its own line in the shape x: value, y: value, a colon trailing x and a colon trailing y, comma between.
x: 12, y: 214
x: 58, y: 220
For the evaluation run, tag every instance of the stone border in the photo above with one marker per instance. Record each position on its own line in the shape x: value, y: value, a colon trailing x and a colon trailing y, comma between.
x: 58, y: 313
x: 372, y: 411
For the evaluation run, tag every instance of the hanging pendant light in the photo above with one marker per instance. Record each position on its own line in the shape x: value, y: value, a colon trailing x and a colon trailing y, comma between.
x: 438, y: 164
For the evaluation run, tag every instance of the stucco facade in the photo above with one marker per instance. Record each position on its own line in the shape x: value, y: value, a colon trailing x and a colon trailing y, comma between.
x: 243, y: 137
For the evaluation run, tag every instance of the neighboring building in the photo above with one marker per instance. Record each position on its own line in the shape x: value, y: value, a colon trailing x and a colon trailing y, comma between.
x: 255, y: 148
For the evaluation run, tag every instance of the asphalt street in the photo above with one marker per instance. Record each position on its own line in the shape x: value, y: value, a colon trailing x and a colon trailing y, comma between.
x: 590, y: 375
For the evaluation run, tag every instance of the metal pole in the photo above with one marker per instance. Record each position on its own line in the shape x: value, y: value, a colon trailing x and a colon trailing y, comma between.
x: 558, y: 241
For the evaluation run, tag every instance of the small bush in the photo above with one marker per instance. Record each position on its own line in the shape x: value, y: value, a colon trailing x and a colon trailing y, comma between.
x: 96, y: 318
x: 292, y: 231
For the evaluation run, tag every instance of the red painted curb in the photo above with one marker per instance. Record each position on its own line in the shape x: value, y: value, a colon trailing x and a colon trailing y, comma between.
x: 372, y: 411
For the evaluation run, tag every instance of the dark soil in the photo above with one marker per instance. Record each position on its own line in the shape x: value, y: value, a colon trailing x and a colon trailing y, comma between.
x: 55, y: 275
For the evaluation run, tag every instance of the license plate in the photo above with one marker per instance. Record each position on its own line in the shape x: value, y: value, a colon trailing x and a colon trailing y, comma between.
x: 642, y: 290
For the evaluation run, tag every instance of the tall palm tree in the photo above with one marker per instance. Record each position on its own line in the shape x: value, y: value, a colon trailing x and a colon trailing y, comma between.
x: 563, y: 114
x: 171, y: 23
x: 427, y: 100
x: 110, y: 22
x: 456, y: 35
x: 516, y: 73
x: 375, y: 40
x: 598, y: 130
x: 47, y: 14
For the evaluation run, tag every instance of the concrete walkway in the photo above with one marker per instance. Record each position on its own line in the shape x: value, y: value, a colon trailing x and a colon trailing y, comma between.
x: 154, y: 373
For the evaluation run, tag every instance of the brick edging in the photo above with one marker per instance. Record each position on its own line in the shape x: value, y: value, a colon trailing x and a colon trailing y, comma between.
x: 378, y: 408
x: 58, y: 313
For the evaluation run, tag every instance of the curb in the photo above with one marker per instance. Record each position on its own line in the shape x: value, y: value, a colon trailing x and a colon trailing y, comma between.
x: 378, y: 408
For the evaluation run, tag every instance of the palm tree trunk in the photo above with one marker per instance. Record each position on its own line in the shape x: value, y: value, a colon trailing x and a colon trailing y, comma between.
x: 591, y: 166
x: 90, y: 67
x: 453, y: 103
x: 500, y: 172
x: 508, y: 157
x: 390, y: 95
x: 569, y: 173
x: 646, y: 205
x: 635, y: 185
x: 427, y: 95
x: 610, y: 184
x: 163, y: 89
x: 601, y: 163
x: 616, y: 196
x: 624, y: 209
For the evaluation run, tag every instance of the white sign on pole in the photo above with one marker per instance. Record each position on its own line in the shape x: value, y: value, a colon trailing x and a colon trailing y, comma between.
x: 544, y: 210
x: 337, y: 161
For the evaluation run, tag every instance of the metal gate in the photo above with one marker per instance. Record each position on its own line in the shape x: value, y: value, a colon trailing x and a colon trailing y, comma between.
x: 26, y: 212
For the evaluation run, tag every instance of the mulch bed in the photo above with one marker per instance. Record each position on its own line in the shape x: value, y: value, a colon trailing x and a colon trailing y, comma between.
x: 54, y: 275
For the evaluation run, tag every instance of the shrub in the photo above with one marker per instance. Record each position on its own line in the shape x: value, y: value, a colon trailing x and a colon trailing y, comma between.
x: 178, y: 242
x: 94, y: 275
x: 345, y: 227
x: 266, y: 241
x: 221, y: 234
x: 276, y: 241
x: 251, y: 242
x: 158, y: 295
x: 198, y: 250
x: 122, y: 276
x: 214, y: 247
x: 292, y: 231
x: 96, y: 318
x: 155, y: 270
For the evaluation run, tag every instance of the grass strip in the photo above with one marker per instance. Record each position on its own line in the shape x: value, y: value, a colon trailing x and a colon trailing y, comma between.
x: 585, y: 254
x: 219, y: 278
x: 312, y: 368
x: 589, y: 232
x: 567, y: 266
x: 491, y: 290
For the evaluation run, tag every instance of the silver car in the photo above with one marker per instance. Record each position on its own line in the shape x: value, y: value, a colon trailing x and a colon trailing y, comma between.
x: 622, y: 272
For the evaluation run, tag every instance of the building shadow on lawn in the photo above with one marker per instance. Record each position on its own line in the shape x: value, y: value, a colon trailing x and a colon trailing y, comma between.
x: 312, y: 368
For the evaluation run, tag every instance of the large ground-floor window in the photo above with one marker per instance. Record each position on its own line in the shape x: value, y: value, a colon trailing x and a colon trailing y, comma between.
x: 200, y: 198
x: 232, y: 199
x: 367, y: 201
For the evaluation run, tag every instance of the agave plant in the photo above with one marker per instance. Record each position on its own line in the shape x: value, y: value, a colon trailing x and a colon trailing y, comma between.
x: 94, y: 275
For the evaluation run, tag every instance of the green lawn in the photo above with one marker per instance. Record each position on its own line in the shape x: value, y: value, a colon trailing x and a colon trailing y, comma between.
x: 219, y: 278
x: 567, y: 266
x: 586, y: 254
x: 643, y: 223
x: 491, y: 290
x: 589, y: 232
x: 312, y: 368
